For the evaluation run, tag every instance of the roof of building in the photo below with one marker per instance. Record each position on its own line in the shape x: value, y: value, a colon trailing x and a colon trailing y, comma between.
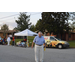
x: 9, y: 31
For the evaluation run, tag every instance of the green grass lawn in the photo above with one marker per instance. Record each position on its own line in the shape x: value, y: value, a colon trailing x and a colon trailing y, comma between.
x: 30, y: 39
x: 72, y: 43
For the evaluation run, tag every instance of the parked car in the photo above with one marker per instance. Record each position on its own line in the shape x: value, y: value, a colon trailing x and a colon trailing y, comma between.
x: 1, y: 42
x: 51, y: 41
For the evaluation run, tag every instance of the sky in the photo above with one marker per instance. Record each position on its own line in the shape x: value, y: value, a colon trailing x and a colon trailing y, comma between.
x: 10, y: 17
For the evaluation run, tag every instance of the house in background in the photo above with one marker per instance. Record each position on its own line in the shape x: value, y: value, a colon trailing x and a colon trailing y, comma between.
x: 70, y: 36
x: 65, y: 36
x: 9, y: 32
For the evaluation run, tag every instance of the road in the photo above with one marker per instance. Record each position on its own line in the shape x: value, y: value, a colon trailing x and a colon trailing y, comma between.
x: 18, y: 54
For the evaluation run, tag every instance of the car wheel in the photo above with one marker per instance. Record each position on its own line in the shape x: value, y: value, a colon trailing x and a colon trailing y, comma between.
x: 60, y: 46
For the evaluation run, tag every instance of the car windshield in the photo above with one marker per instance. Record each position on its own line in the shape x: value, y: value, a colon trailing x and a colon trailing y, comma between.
x: 58, y: 39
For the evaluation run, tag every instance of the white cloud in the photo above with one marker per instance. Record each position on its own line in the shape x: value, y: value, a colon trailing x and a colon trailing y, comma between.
x: 11, y: 24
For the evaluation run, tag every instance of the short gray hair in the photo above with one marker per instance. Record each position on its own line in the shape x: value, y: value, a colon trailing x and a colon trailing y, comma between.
x: 39, y: 32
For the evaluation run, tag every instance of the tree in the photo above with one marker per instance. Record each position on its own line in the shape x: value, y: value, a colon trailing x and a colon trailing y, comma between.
x: 15, y: 28
x: 38, y: 25
x: 72, y: 26
x: 23, y: 21
x: 72, y: 16
x: 5, y: 28
x: 72, y: 20
x: 32, y: 28
x: 55, y: 22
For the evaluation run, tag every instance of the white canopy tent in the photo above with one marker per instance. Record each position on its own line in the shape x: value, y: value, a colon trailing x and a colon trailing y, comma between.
x: 27, y: 33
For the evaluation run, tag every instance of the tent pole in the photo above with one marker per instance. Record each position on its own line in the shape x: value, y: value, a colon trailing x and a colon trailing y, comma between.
x: 27, y: 41
x: 14, y: 40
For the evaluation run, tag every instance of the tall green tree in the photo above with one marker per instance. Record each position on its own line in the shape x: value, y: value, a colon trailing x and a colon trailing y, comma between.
x: 23, y: 21
x: 38, y: 25
x: 5, y: 28
x: 55, y: 22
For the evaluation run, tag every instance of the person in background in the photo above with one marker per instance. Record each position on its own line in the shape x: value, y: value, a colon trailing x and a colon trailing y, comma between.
x: 8, y: 40
x: 13, y: 40
x: 3, y: 41
x: 25, y: 40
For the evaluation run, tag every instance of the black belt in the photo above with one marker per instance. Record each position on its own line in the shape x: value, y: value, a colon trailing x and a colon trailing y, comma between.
x: 39, y: 45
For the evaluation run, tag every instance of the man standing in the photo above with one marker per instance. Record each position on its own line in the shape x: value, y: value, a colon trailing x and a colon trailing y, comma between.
x: 8, y: 40
x: 39, y: 48
x: 13, y: 40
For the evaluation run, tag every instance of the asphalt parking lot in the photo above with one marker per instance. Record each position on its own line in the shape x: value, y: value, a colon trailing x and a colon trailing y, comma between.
x: 18, y: 54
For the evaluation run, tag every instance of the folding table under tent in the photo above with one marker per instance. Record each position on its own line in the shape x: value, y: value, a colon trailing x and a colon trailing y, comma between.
x: 27, y: 33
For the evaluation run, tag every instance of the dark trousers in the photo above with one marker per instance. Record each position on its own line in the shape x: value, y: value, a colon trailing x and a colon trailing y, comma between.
x: 13, y: 43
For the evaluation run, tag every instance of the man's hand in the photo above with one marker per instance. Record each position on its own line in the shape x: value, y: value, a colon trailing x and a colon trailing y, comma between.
x: 32, y: 45
x: 44, y: 45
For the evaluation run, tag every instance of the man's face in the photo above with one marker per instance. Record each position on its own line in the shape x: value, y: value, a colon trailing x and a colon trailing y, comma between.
x: 39, y: 34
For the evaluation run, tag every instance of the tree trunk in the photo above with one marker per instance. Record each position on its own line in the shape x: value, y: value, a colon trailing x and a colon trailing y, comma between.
x: 4, y: 34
